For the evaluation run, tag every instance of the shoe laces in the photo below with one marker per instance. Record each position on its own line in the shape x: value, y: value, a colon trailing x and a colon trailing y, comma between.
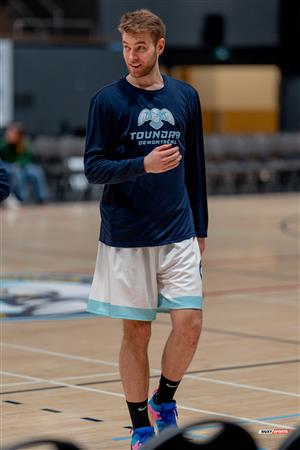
x: 169, y: 413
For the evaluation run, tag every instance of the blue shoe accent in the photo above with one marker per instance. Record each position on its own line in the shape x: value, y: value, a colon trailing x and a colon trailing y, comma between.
x: 163, y: 415
x: 140, y: 436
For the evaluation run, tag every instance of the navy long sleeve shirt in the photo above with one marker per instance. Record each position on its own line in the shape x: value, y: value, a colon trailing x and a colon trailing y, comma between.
x: 125, y: 124
x: 4, y: 186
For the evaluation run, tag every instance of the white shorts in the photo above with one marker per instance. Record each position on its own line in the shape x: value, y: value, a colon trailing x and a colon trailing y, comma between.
x: 136, y: 283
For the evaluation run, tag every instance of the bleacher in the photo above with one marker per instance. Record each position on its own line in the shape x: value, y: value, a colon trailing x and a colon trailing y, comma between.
x: 235, y: 164
x: 252, y: 163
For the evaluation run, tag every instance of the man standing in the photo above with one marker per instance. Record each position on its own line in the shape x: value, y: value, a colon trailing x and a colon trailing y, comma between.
x: 144, y: 142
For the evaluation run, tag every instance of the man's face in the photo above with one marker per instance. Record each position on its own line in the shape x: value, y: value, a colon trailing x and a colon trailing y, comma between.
x: 12, y: 135
x: 141, y: 53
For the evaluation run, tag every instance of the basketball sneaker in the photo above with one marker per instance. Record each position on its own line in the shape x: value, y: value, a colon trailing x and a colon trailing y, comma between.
x: 140, y: 436
x: 163, y: 415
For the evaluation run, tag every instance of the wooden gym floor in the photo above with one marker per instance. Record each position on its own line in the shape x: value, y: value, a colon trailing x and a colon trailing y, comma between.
x: 60, y: 377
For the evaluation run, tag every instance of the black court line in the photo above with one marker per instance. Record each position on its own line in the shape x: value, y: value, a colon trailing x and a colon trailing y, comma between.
x: 193, y: 372
x: 33, y: 390
x: 246, y: 366
x: 12, y: 402
x: 239, y: 334
x: 51, y: 410
x: 91, y: 419
x: 252, y: 336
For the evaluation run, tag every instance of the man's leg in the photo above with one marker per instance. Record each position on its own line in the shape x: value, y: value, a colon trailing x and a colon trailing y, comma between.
x: 182, y: 343
x: 134, y: 369
x: 177, y: 356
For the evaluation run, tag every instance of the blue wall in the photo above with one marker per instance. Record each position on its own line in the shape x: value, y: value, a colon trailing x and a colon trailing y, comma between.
x: 54, y: 84
x: 248, y: 22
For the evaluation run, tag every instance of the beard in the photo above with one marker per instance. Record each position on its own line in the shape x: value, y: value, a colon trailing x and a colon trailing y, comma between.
x: 145, y: 69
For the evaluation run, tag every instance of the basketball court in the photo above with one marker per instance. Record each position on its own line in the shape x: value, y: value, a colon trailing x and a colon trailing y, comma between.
x: 60, y: 365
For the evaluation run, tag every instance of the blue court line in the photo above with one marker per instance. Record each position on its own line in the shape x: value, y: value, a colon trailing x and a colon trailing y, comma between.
x: 239, y: 422
x: 128, y: 438
x: 121, y: 438
x: 287, y: 416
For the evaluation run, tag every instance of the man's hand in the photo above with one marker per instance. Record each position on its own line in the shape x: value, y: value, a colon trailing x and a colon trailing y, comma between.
x: 201, y: 243
x: 162, y: 159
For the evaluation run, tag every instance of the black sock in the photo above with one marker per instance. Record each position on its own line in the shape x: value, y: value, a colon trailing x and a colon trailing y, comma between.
x: 139, y: 414
x: 166, y: 390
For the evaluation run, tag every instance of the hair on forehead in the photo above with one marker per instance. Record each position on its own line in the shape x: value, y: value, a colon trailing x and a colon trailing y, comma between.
x: 142, y: 20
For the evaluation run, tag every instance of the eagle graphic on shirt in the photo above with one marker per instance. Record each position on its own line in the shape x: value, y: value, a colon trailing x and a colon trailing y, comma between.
x: 156, y: 117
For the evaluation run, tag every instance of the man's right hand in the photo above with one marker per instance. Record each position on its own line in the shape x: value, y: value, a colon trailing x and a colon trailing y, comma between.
x: 162, y: 159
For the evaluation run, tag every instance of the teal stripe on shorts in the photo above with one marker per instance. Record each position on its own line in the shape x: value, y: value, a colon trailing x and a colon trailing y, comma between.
x: 121, y: 312
x: 127, y: 312
x: 184, y: 302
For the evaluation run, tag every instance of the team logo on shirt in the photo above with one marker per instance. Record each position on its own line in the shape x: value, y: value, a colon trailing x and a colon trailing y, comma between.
x: 156, y: 117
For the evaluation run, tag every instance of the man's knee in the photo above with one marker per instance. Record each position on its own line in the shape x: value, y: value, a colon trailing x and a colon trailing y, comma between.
x: 137, y: 332
x: 188, y: 325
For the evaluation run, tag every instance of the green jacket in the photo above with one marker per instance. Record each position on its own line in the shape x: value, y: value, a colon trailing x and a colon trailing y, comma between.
x: 8, y: 153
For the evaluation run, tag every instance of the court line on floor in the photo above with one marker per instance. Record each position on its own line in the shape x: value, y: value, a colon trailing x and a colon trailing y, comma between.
x: 246, y: 366
x: 243, y: 386
x: 287, y: 416
x: 103, y: 374
x: 78, y: 377
x: 61, y: 384
x: 251, y: 336
x: 238, y: 334
x: 188, y: 375
x: 111, y: 363
x: 211, y: 380
x: 118, y: 380
x: 17, y: 384
x: 115, y: 394
x: 59, y: 354
x: 254, y: 290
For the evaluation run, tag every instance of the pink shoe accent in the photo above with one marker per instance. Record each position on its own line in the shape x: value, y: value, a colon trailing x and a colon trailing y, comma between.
x: 154, y: 414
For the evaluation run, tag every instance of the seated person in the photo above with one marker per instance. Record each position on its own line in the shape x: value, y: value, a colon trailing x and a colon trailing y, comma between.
x: 4, y: 186
x: 16, y: 156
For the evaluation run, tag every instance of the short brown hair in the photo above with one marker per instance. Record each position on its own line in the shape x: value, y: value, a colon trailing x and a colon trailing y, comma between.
x: 142, y: 20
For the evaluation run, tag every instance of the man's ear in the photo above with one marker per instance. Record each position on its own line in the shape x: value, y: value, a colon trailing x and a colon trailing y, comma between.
x: 160, y: 45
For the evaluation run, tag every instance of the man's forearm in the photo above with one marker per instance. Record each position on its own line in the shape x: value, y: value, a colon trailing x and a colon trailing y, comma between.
x: 201, y: 243
x: 100, y: 170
